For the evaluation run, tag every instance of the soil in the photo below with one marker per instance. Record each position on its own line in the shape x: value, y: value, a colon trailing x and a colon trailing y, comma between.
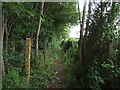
x: 59, y: 83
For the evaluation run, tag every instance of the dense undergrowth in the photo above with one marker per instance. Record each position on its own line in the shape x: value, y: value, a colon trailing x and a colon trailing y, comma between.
x: 42, y: 71
x: 90, y: 62
x: 101, y: 74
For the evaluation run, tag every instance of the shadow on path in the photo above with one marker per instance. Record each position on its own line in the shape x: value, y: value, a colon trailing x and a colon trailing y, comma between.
x: 59, y: 83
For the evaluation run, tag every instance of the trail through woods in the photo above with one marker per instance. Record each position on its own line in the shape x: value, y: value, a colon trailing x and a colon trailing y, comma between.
x: 60, y: 82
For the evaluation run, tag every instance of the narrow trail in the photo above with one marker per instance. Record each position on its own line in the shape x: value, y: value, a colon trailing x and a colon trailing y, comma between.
x: 59, y: 83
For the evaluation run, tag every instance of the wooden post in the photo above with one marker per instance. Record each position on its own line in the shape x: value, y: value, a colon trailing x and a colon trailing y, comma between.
x: 27, y: 62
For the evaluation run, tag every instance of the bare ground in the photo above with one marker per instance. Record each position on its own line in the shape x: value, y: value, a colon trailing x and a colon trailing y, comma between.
x: 59, y: 83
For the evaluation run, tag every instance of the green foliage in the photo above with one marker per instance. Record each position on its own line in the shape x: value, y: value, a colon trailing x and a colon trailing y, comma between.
x: 95, y: 80
x: 71, y: 66
x: 101, y: 72
x: 43, y: 73
x: 22, y: 20
x: 12, y: 79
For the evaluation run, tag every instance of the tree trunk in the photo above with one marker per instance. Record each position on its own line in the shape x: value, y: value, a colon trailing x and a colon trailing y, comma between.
x: 6, y: 33
x: 38, y: 31
x: 1, y: 44
x: 44, y: 49
x: 110, y: 40
x: 8, y: 25
x: 85, y: 61
x: 6, y: 43
x: 86, y: 29
x: 80, y: 42
x: 110, y: 48
x: 13, y: 47
x: 101, y: 25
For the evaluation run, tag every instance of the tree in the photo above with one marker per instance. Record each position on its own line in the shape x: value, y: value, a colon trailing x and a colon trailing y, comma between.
x: 85, y: 61
x: 1, y: 43
x: 80, y: 42
x: 38, y: 31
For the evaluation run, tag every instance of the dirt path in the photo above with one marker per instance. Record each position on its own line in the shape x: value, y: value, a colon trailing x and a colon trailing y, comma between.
x: 59, y: 83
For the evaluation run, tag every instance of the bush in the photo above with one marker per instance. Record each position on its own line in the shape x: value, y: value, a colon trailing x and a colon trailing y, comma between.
x: 12, y: 79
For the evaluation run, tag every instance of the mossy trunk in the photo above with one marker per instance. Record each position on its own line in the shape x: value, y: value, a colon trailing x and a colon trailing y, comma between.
x: 2, y: 71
